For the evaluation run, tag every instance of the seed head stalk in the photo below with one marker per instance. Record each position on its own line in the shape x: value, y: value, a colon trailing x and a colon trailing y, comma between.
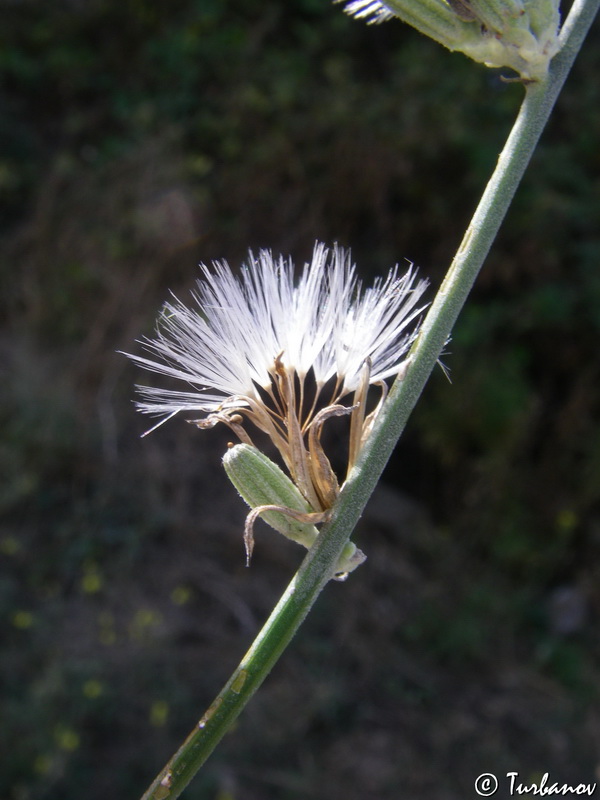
x: 316, y: 569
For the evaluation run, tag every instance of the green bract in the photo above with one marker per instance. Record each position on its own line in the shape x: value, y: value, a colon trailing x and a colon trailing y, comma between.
x: 520, y: 34
x: 260, y: 482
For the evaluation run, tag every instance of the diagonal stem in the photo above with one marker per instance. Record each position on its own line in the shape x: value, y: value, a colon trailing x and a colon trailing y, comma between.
x: 317, y: 567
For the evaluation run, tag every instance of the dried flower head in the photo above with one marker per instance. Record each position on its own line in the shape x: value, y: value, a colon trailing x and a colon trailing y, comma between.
x: 263, y: 349
x: 282, y: 355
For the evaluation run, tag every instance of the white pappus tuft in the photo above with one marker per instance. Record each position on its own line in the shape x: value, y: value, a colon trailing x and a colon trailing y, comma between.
x: 228, y: 343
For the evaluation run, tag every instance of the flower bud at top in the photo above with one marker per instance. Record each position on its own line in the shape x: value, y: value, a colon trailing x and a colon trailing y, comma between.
x: 520, y: 34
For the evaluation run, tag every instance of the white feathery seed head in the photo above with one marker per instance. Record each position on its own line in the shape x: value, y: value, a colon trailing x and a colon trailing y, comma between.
x: 282, y: 351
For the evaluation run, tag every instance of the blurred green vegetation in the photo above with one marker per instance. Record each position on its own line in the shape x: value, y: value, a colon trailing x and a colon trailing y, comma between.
x: 137, y: 140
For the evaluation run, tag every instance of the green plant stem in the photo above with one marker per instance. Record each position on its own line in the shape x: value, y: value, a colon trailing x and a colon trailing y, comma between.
x: 317, y: 567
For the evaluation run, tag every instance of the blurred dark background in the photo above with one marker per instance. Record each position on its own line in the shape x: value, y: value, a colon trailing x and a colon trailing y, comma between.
x: 137, y: 139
